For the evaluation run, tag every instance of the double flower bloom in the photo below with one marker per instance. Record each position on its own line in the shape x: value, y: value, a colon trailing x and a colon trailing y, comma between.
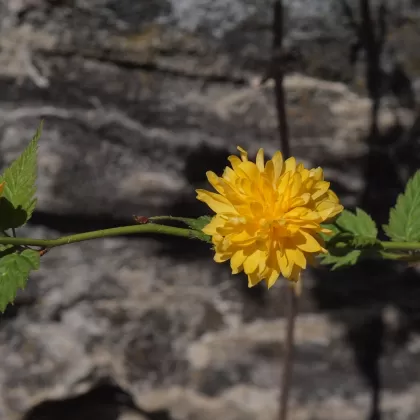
x: 268, y: 216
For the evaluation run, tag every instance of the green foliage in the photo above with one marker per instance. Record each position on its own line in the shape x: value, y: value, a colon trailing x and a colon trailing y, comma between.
x: 359, y: 223
x: 18, y: 201
x: 365, y: 242
x: 328, y: 237
x: 404, y: 218
x: 15, y: 266
x: 197, y: 225
x: 351, y: 230
x: 200, y: 223
x: 339, y: 261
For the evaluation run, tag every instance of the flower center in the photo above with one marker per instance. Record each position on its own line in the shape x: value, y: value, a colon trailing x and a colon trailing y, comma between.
x: 277, y: 227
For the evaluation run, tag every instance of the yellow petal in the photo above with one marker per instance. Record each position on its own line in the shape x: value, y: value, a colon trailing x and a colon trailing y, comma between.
x: 332, y: 196
x: 223, y: 246
x: 260, y: 160
x: 244, y: 154
x: 302, y: 200
x: 2, y: 187
x: 235, y: 161
x: 325, y: 209
x: 290, y: 165
x: 219, y: 258
x: 216, y: 202
x: 284, y: 183
x: 285, y: 265
x: 211, y: 228
x: 253, y: 279
x: 249, y: 170
x: 269, y: 172
x: 296, y: 255
x: 338, y: 208
x: 215, y: 182
x: 237, y: 260
x: 273, y: 277
x: 229, y: 174
x: 321, y: 189
x: 317, y: 174
x: 262, y: 264
x: 311, y: 216
x: 278, y: 165
x: 296, y: 185
x: 307, y: 243
x: 242, y: 237
x: 252, y: 261
x: 301, y: 169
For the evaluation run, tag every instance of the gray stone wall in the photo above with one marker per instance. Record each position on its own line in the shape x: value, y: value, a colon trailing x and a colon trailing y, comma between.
x: 140, y: 98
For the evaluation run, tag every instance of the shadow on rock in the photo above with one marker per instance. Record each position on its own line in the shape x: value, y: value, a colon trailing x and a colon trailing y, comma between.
x: 369, y: 289
x: 106, y: 401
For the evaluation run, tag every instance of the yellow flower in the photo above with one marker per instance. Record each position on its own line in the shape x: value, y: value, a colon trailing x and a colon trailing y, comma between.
x: 268, y: 216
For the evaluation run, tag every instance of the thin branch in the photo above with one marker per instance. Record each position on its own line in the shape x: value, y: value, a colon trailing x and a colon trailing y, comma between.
x: 104, y: 233
x: 278, y: 76
x: 292, y: 311
x: 405, y: 251
x: 277, y: 71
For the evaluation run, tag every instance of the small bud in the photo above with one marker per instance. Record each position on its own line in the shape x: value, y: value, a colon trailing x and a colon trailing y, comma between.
x: 141, y: 219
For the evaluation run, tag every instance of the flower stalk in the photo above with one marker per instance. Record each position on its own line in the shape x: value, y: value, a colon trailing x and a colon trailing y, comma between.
x: 402, y: 251
x: 149, y: 228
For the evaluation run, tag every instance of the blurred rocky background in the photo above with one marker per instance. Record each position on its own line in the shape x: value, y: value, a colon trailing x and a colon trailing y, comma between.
x: 140, y: 98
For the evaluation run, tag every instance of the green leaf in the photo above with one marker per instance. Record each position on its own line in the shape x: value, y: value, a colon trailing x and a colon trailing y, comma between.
x: 366, y: 242
x: 332, y: 227
x: 18, y: 201
x: 351, y: 230
x: 404, y: 218
x: 359, y: 223
x: 15, y: 267
x: 198, y: 224
x: 196, y: 234
x: 339, y: 261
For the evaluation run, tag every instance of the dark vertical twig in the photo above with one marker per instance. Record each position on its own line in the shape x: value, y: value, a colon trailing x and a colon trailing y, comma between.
x: 287, y: 374
x: 278, y: 76
x: 277, y: 73
x: 372, y: 42
x: 371, y: 32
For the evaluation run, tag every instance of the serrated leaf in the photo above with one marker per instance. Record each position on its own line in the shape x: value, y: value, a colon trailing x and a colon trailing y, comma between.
x: 366, y: 242
x: 10, y: 216
x: 359, y: 223
x: 339, y: 261
x: 404, y: 218
x: 18, y: 201
x: 15, y: 267
x: 327, y: 237
x: 200, y: 223
x: 196, y: 234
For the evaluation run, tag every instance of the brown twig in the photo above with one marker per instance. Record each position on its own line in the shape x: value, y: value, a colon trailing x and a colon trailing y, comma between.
x: 292, y: 311
x: 277, y: 73
x: 278, y: 76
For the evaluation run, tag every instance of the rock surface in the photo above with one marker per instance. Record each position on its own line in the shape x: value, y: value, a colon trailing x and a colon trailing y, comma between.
x: 139, y: 100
